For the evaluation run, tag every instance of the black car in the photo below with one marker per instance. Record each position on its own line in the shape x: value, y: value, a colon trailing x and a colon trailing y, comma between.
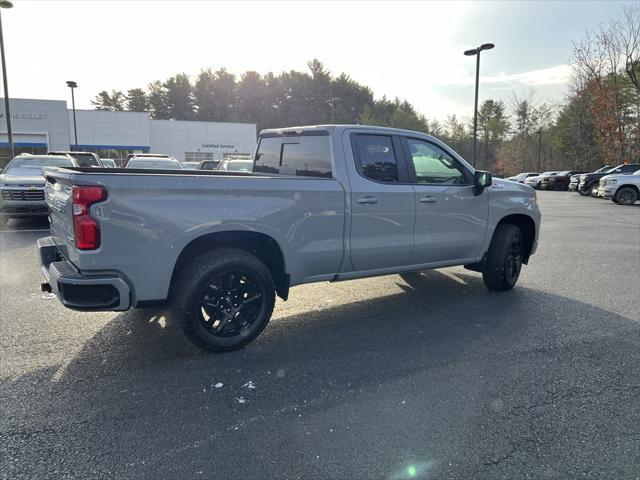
x: 589, y: 181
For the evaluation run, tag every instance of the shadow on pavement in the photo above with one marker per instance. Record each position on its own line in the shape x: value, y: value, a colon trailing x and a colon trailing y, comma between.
x: 477, y: 362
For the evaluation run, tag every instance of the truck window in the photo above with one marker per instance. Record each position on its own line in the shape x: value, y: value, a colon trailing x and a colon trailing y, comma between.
x: 434, y: 165
x: 304, y: 156
x: 375, y: 157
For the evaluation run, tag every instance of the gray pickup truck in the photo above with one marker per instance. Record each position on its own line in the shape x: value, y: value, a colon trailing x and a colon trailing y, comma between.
x: 323, y: 203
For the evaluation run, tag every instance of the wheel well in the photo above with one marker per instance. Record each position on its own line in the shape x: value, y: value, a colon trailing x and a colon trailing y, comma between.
x: 528, y: 228
x: 629, y: 186
x: 258, y: 244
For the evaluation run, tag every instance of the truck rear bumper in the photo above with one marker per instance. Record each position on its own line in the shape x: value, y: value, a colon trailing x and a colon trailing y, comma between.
x: 78, y: 291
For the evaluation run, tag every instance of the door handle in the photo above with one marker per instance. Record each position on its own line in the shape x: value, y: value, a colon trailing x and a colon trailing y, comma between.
x: 427, y: 200
x: 367, y: 200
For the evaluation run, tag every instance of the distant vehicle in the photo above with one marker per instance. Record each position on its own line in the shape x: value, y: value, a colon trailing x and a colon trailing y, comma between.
x: 209, y: 164
x: 535, y: 182
x: 575, y: 179
x: 559, y: 182
x: 521, y: 177
x: 623, y: 189
x: 327, y: 203
x: 590, y: 182
x: 146, y: 155
x: 108, y: 162
x: 22, y: 185
x: 84, y: 159
x: 190, y: 165
x: 236, y: 165
x: 154, y: 163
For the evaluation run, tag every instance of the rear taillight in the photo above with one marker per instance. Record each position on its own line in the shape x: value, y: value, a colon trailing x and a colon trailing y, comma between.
x: 86, y: 229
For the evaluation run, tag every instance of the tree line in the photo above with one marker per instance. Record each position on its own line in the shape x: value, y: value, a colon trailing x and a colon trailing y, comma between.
x: 597, y: 123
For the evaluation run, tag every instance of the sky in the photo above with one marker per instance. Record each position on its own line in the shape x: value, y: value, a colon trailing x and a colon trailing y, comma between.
x: 412, y: 50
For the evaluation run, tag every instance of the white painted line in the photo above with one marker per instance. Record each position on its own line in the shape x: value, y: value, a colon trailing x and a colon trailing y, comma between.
x: 25, y: 231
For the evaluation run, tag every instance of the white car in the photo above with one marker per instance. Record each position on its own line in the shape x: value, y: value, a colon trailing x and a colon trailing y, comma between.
x: 521, y: 177
x: 623, y: 189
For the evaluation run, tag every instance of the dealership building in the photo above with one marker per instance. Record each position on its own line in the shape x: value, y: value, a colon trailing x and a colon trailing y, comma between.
x: 39, y: 126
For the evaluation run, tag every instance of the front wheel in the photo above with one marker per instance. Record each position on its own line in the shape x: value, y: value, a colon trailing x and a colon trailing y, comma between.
x: 504, y: 259
x: 559, y: 187
x: 626, y: 196
x: 593, y: 190
x: 224, y: 299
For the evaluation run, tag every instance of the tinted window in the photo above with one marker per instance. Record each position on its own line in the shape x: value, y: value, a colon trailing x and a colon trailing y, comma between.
x: 307, y: 156
x: 629, y: 168
x: 376, y: 157
x: 434, y: 165
x: 85, y: 159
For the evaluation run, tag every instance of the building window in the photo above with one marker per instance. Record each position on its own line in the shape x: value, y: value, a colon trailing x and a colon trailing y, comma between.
x: 197, y: 156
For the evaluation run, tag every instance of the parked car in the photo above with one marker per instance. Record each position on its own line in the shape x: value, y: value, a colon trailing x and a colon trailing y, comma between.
x: 108, y: 163
x: 22, y: 185
x: 534, y: 182
x: 575, y: 179
x: 83, y: 159
x: 521, y: 177
x: 559, y: 182
x: 623, y: 189
x: 236, y: 165
x: 190, y: 165
x: 330, y: 203
x: 590, y: 182
x: 209, y: 164
x: 154, y: 163
x: 146, y: 155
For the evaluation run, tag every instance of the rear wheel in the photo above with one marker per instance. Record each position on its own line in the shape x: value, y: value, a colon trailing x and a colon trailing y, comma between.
x: 224, y: 299
x: 626, y: 196
x: 504, y: 259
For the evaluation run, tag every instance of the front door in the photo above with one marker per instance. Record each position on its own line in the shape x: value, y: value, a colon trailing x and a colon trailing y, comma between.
x: 451, y: 221
x: 382, y: 203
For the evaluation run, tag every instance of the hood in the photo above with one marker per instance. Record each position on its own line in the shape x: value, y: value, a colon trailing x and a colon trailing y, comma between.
x: 23, y: 176
x: 503, y: 185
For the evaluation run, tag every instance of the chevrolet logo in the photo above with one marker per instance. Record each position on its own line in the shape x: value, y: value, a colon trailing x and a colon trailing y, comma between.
x: 32, y: 187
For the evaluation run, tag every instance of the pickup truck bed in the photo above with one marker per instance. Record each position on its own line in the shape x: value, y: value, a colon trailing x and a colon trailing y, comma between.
x: 326, y: 203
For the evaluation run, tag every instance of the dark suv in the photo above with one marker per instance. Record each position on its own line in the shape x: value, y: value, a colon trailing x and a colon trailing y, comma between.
x: 589, y: 182
x: 560, y: 181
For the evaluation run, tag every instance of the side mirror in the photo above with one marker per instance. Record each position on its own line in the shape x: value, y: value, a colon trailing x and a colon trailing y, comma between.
x: 481, y: 180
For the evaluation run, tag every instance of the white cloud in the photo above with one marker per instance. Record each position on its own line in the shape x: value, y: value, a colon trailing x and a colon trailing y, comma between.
x: 557, y: 75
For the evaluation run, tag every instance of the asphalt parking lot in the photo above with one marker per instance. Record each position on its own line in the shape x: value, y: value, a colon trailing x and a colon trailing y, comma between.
x: 377, y: 378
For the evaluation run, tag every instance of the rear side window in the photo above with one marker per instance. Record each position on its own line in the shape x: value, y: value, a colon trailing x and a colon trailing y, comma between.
x: 85, y: 160
x: 375, y: 157
x: 629, y: 168
x: 304, y: 156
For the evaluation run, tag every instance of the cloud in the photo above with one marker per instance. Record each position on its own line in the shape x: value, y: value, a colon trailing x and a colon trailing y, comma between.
x: 558, y: 75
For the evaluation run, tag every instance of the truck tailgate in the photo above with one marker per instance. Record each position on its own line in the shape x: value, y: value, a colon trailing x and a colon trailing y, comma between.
x: 59, y: 201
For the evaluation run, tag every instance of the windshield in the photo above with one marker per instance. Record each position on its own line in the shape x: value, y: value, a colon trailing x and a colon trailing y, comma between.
x: 564, y: 174
x: 37, y: 162
x: 548, y: 174
x: 237, y: 166
x: 160, y: 164
x: 605, y: 169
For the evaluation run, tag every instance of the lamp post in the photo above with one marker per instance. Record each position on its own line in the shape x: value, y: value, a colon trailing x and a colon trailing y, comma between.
x: 71, y: 84
x: 332, y: 101
x: 539, y: 133
x: 6, y: 4
x: 470, y: 53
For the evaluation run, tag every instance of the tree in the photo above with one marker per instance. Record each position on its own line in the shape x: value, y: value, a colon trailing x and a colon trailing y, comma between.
x: 158, y: 101
x: 113, y: 101
x: 180, y: 97
x: 203, y: 95
x: 137, y: 100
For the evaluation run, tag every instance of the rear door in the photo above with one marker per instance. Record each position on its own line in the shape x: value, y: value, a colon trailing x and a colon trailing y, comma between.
x: 382, y: 203
x: 451, y: 221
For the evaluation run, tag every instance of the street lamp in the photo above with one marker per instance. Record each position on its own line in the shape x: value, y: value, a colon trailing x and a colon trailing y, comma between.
x: 539, y: 133
x: 470, y: 53
x: 6, y: 4
x: 332, y: 101
x: 71, y: 84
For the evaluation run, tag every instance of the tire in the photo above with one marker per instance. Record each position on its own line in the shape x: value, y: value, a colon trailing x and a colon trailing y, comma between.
x: 593, y: 189
x: 626, y: 196
x: 559, y: 187
x: 584, y: 194
x: 223, y: 299
x: 504, y: 259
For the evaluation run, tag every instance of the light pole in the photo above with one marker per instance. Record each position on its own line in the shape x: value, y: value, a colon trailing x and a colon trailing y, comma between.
x: 6, y: 4
x: 470, y: 53
x: 332, y: 101
x: 71, y: 84
x: 539, y: 133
